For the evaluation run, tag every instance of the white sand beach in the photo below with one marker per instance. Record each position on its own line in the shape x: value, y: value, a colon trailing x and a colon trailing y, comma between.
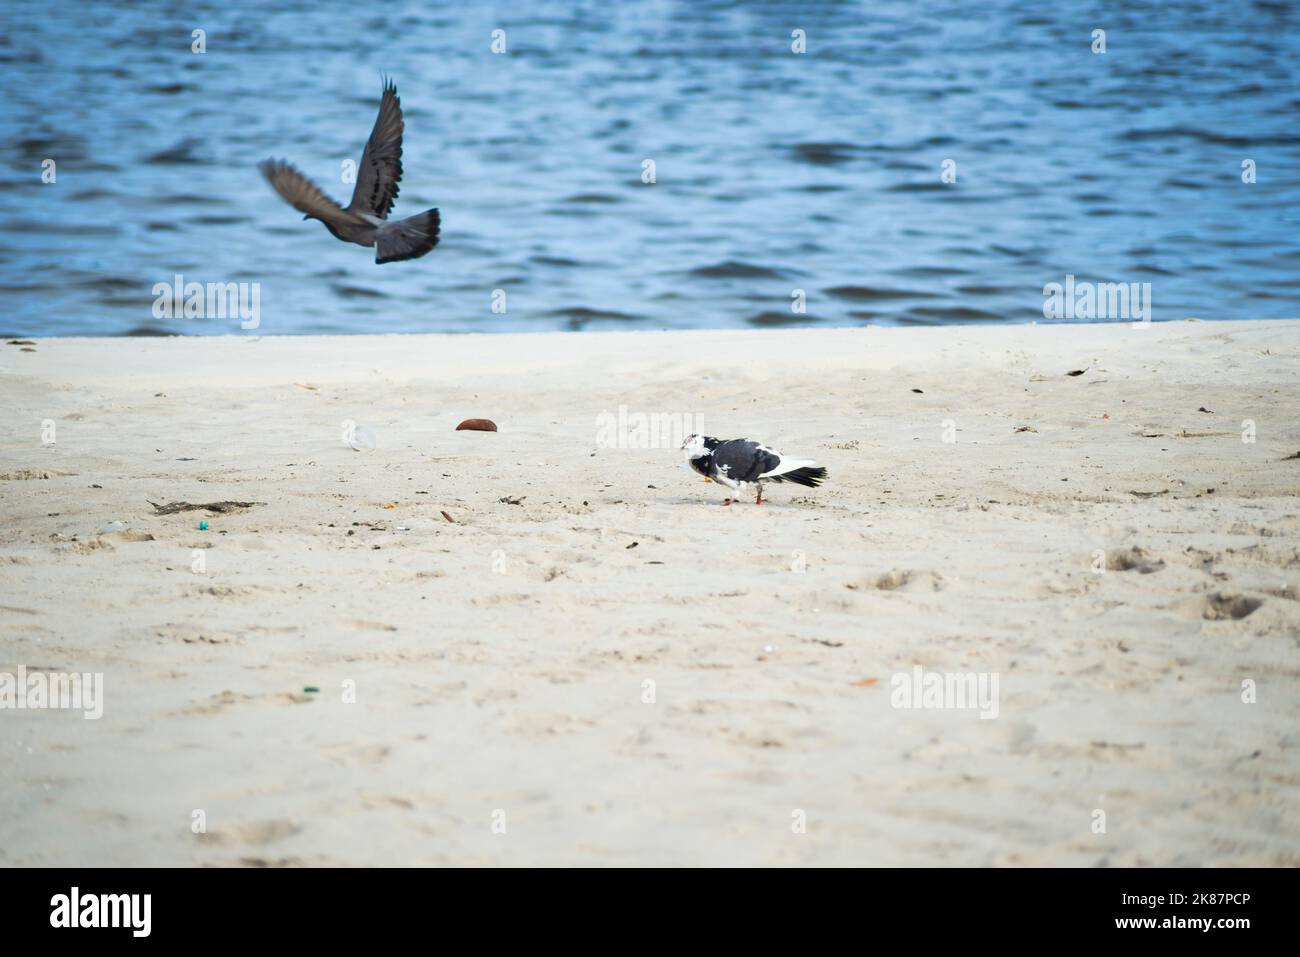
x: 618, y: 671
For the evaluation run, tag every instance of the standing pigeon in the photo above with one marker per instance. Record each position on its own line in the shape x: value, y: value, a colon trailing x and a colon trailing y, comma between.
x: 365, y: 220
x: 740, y: 462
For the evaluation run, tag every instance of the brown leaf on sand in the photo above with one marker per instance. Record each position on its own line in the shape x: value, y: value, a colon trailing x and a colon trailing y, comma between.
x: 477, y: 425
x: 448, y: 518
x: 1026, y: 428
x: 865, y: 682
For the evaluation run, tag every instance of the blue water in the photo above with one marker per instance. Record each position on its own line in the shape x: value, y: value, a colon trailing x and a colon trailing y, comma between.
x: 775, y: 171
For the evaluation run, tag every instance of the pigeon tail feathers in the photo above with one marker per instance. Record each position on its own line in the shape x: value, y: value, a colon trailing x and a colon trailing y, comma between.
x: 807, y: 476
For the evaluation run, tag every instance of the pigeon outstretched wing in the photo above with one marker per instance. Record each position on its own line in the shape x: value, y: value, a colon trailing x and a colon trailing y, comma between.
x: 381, y: 163
x: 305, y: 196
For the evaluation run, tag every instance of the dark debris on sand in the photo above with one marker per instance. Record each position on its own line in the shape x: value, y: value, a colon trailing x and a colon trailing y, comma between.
x: 171, y: 508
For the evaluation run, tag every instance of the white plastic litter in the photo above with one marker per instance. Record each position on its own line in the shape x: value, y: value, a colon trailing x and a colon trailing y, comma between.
x: 363, y: 437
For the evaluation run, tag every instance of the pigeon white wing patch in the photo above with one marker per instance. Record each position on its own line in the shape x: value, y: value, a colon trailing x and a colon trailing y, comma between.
x: 788, y: 465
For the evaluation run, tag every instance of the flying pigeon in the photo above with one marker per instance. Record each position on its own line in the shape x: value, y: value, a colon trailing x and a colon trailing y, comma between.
x: 740, y: 462
x: 365, y: 220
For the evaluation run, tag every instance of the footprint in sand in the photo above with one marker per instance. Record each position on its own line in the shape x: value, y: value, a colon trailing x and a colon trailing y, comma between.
x: 193, y: 634
x: 272, y: 862
x: 85, y: 548
x: 28, y: 475
x: 1220, y: 607
x: 225, y: 591
x: 219, y: 702
x: 1133, y: 559
x: 899, y: 579
x: 250, y: 833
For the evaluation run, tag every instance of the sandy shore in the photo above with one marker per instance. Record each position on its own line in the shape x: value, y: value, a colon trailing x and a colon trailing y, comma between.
x: 616, y: 670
